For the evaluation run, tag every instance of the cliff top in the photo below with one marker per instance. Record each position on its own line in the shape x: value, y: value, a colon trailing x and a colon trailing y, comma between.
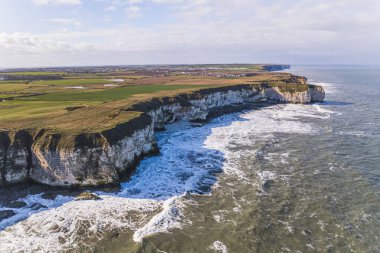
x: 86, y: 100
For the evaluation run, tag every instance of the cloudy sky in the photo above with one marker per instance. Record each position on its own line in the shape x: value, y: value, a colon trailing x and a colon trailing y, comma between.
x: 99, y: 32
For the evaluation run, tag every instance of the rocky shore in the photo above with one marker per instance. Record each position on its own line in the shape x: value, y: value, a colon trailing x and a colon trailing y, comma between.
x: 105, y: 157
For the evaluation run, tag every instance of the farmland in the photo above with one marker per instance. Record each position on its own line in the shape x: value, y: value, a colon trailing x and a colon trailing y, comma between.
x: 48, y: 98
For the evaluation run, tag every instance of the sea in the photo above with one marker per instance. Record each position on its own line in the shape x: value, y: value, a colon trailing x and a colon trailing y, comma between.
x: 274, y: 178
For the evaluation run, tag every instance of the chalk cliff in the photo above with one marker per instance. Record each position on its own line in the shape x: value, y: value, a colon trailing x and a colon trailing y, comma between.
x: 88, y: 159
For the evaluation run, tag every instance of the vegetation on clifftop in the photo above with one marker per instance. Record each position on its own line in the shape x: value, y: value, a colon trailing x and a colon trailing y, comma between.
x: 91, y: 101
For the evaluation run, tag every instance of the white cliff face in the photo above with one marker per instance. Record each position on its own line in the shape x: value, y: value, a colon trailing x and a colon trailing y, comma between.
x: 274, y: 94
x: 104, y: 164
x: 72, y: 167
x: 17, y: 169
x: 91, y: 166
x: 317, y: 94
x: 125, y: 153
x: 200, y: 108
x: 167, y: 114
x: 311, y: 95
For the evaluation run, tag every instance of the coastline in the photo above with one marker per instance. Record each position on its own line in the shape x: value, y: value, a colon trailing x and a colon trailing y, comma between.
x: 159, y: 210
x: 105, y: 157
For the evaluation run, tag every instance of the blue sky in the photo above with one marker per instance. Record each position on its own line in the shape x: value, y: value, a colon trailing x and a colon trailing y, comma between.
x: 98, y: 32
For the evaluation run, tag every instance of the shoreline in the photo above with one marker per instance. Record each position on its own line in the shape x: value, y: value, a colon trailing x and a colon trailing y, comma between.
x: 127, y: 197
x: 106, y: 157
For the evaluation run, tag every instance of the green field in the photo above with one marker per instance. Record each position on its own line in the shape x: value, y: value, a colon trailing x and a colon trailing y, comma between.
x: 31, y: 73
x: 90, y: 101
x: 70, y: 82
x: 110, y: 94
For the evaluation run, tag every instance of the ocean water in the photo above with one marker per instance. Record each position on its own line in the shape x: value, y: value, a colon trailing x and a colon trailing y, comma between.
x: 279, y: 178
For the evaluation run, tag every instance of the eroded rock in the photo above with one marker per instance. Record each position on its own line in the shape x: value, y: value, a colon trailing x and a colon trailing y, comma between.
x: 87, y: 196
x: 16, y: 204
x: 5, y: 214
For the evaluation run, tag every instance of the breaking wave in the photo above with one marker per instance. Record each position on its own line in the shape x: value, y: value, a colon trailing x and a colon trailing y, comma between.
x: 153, y: 200
x: 330, y: 88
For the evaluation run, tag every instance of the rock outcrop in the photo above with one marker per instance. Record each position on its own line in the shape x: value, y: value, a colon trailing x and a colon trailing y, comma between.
x: 312, y: 94
x: 88, y: 159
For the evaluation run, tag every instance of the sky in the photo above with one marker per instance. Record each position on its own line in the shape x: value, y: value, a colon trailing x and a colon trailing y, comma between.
x: 36, y: 33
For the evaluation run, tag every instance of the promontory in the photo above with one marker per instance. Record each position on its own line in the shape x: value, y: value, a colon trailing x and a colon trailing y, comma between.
x: 90, y: 126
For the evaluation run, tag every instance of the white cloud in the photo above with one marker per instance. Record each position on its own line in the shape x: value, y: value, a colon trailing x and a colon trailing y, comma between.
x: 134, y: 1
x: 171, y: 1
x: 57, y: 2
x: 304, y: 31
x: 66, y: 21
x: 30, y: 44
x: 133, y: 11
x: 111, y: 8
x: 40, y: 2
x: 131, y: 7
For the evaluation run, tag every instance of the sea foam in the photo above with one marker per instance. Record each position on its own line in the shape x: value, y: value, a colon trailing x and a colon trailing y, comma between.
x: 153, y: 199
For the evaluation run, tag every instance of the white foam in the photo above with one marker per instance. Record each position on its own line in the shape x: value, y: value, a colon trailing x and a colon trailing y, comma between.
x: 34, y: 204
x: 220, y: 215
x: 169, y: 218
x: 261, y: 125
x: 151, y: 202
x: 153, y: 196
x: 322, y: 225
x: 219, y: 247
x: 354, y: 133
x: 266, y: 176
x: 183, y: 166
x: 217, y: 218
x: 71, y: 224
x: 289, y: 228
x: 330, y: 88
x: 323, y: 110
x: 276, y: 158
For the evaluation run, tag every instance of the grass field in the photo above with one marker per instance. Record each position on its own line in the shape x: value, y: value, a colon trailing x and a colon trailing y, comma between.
x: 69, y: 82
x: 86, y: 100
x: 29, y: 73
x: 110, y: 94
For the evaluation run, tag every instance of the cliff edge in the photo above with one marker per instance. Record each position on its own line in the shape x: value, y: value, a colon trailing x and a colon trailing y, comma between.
x: 90, y: 155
